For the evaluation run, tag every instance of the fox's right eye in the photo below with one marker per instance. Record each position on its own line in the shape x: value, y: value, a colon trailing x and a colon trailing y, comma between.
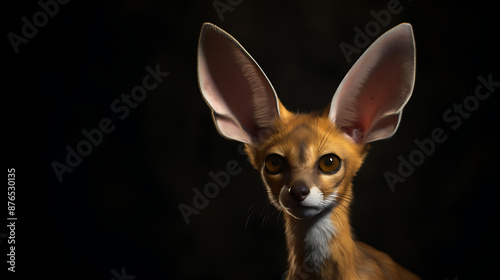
x: 275, y: 164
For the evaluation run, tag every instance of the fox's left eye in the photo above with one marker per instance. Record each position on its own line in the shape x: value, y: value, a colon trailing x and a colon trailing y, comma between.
x: 275, y: 163
x: 329, y: 163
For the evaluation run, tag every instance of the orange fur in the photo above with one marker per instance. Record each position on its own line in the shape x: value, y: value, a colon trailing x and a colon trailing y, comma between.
x: 349, y: 259
x: 308, y: 161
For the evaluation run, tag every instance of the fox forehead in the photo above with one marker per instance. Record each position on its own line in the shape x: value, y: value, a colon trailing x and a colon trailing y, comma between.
x: 304, y: 138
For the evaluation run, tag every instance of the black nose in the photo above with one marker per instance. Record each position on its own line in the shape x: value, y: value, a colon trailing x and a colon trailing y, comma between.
x: 298, y: 191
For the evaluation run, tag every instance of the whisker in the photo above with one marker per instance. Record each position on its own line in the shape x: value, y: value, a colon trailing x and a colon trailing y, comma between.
x: 346, y: 195
x: 250, y: 209
x: 345, y: 210
x: 280, y: 212
x: 349, y: 199
x: 338, y: 218
x: 264, y: 219
x: 357, y: 204
x: 271, y: 209
x: 246, y: 223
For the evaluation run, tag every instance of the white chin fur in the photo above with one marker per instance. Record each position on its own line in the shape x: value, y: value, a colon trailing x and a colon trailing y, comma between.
x: 309, y: 207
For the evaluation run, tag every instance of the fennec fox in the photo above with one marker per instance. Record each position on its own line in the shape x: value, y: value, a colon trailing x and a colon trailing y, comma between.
x: 308, y: 161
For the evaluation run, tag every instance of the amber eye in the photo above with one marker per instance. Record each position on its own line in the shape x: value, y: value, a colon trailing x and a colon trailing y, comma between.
x: 275, y: 163
x: 329, y: 163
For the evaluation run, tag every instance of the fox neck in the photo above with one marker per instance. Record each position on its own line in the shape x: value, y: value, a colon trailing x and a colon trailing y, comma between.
x: 322, y: 245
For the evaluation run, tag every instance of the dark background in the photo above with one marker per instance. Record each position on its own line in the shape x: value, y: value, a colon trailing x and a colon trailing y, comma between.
x: 119, y: 207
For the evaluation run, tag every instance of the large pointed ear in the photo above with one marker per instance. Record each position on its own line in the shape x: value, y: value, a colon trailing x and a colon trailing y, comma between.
x: 241, y: 97
x: 368, y: 103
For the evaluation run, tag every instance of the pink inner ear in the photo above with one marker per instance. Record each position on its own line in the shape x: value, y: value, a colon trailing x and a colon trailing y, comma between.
x: 229, y: 128
x: 369, y: 100
x: 225, y: 87
x: 234, y: 85
x: 384, y: 92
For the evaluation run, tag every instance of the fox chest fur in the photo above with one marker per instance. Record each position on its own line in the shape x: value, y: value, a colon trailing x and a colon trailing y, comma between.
x: 308, y: 161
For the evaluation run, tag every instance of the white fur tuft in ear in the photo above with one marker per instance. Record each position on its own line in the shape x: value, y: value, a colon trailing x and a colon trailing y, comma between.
x: 369, y: 100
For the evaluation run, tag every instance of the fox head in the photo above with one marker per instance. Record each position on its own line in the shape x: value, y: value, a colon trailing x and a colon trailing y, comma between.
x: 307, y: 161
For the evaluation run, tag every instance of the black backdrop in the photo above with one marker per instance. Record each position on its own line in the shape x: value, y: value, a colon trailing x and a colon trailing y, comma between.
x: 116, y: 214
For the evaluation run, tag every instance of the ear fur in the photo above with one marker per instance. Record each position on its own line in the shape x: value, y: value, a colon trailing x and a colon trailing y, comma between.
x: 242, y: 99
x: 368, y: 102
